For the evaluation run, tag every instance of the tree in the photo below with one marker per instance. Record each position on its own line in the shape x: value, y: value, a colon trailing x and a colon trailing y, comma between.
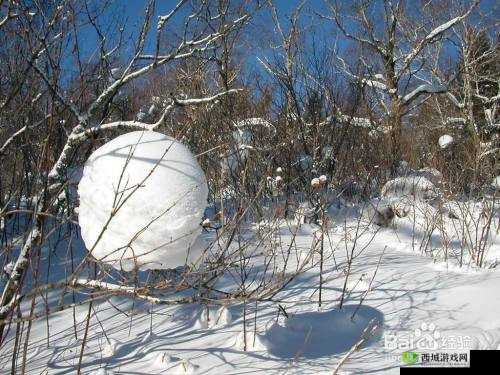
x: 49, y: 35
x: 396, y: 69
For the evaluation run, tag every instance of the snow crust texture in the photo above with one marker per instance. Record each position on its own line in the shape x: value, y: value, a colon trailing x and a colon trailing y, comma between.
x: 142, y: 198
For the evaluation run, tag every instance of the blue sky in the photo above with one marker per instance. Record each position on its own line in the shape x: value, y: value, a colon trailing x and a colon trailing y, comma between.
x: 130, y: 13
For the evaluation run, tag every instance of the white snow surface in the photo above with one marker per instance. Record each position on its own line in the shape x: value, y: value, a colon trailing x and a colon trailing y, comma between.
x: 415, y: 279
x: 149, y: 193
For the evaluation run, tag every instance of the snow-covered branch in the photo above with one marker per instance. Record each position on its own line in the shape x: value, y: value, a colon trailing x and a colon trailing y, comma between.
x: 487, y: 101
x: 374, y: 82
x: 423, y: 89
x: 185, y: 49
x: 357, y: 122
x: 162, y: 20
x: 254, y: 121
x: 453, y: 99
x: 80, y: 134
x: 10, y: 14
x: 21, y: 131
x: 12, y: 284
x: 86, y: 127
x: 457, y: 121
x: 430, y: 37
x: 489, y: 150
x: 208, y: 99
x: 95, y: 285
x: 129, y: 291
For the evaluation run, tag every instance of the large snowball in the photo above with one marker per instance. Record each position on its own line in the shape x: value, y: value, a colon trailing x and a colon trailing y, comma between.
x: 445, y: 141
x: 142, y: 198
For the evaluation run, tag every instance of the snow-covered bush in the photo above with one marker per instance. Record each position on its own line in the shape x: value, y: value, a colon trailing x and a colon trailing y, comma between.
x: 431, y: 174
x: 413, y: 187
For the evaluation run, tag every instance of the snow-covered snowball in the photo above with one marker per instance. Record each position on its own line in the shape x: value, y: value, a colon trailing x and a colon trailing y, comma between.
x: 149, y: 193
x: 445, y: 141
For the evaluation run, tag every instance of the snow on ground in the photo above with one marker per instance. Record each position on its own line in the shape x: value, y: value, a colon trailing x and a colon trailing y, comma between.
x: 407, y: 291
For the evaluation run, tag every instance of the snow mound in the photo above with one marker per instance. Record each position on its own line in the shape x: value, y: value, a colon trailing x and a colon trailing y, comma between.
x: 142, y: 198
x: 148, y: 337
x: 415, y: 187
x: 254, y: 341
x: 184, y: 367
x: 174, y: 365
x: 321, y: 334
x: 110, y: 348
x: 445, y: 141
x: 213, y: 318
x: 224, y: 316
x: 103, y: 371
